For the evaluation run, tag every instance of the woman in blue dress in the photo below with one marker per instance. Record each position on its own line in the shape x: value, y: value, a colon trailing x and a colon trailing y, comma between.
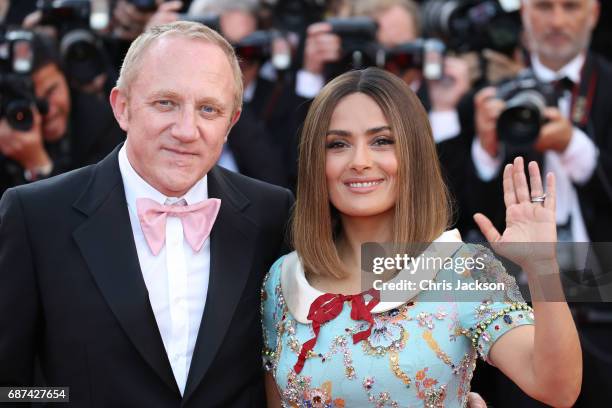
x: 369, y: 172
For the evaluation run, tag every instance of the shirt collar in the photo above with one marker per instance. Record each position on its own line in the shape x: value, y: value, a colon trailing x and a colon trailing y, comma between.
x: 136, y: 187
x: 570, y: 70
x: 299, y: 295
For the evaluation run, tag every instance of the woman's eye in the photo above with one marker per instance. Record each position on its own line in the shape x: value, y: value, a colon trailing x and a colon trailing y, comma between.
x: 383, y: 141
x: 336, y: 144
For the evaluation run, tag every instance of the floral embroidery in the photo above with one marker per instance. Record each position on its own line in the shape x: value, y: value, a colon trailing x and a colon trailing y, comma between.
x: 299, y: 394
x: 379, y: 400
x: 432, y: 397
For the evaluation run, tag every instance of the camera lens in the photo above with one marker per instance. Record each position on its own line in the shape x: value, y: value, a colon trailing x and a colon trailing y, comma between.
x: 82, y: 56
x: 519, y: 124
x: 19, y: 115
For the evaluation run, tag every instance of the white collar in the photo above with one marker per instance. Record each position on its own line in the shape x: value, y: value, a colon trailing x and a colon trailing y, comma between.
x: 570, y: 70
x: 136, y: 187
x: 299, y: 295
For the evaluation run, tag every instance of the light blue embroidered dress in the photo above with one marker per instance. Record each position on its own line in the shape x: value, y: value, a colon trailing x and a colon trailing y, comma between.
x: 420, y: 353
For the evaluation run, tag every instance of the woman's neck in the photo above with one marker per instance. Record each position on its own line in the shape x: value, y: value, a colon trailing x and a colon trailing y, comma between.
x: 359, y: 230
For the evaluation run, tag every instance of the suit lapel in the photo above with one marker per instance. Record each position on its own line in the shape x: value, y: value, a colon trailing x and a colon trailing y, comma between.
x: 106, y: 242
x: 232, y: 248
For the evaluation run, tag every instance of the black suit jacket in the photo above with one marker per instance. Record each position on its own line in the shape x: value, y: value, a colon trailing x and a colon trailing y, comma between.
x: 72, y: 293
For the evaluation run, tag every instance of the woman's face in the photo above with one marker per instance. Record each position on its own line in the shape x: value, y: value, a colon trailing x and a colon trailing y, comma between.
x: 360, y: 160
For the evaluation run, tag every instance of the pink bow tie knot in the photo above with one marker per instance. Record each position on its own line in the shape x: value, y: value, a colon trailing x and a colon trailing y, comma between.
x: 197, y: 220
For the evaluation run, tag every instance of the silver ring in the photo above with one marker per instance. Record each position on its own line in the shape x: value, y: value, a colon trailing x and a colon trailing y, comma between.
x: 538, y: 199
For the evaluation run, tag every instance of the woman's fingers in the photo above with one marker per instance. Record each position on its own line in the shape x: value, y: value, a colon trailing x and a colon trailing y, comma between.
x: 535, y: 180
x: 520, y: 181
x: 551, y: 192
x: 509, y: 194
x: 486, y: 227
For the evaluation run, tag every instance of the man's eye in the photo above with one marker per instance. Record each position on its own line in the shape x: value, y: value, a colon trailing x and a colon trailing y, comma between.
x: 164, y: 103
x: 209, y: 109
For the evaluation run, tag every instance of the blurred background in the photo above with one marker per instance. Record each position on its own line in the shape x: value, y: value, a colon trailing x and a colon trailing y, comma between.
x: 59, y: 59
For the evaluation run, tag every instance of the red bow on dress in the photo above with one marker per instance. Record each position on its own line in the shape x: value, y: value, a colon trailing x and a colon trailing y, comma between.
x: 327, y: 307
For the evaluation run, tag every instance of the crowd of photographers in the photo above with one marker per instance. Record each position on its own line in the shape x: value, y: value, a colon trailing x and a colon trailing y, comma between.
x: 497, y: 82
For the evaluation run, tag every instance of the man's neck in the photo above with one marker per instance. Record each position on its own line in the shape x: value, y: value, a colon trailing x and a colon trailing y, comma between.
x: 555, y: 65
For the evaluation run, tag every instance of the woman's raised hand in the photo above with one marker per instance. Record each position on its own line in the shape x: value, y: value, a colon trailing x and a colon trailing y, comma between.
x: 531, y: 229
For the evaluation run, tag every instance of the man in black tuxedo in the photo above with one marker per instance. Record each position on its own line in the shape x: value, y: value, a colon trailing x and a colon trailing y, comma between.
x: 107, y: 276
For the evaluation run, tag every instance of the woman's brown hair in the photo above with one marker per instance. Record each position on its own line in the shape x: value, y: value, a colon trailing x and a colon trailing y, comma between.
x: 422, y: 209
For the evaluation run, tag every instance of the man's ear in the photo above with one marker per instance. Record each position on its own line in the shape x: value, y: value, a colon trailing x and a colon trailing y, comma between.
x: 233, y: 121
x: 595, y: 10
x: 235, y: 117
x: 119, y: 103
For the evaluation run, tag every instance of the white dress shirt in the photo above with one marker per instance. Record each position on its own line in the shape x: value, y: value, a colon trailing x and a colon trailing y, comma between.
x: 575, y: 165
x: 177, y: 278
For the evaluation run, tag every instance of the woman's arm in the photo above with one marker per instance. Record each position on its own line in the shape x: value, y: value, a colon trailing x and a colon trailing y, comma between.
x: 545, y: 361
x: 272, y: 395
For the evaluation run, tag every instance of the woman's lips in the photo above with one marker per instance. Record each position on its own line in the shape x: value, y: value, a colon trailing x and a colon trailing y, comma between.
x: 364, y: 185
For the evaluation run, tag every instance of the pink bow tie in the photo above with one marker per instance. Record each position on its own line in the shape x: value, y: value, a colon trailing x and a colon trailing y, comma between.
x: 197, y: 220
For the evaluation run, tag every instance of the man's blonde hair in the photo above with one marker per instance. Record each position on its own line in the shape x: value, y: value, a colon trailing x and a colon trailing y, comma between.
x: 186, y: 29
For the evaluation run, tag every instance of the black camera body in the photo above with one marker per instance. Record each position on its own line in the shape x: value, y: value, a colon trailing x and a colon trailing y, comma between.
x: 360, y: 50
x: 255, y: 47
x: 426, y: 55
x: 473, y: 25
x: 81, y: 50
x: 17, y: 96
x: 526, y: 99
x: 358, y: 37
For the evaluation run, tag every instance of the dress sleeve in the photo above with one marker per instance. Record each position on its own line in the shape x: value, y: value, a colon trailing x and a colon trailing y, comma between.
x: 271, y: 312
x: 499, y: 311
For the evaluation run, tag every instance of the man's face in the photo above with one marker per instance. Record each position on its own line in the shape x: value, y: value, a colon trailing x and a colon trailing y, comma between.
x: 558, y: 30
x: 235, y: 26
x: 177, y: 112
x: 50, y: 84
x: 395, y: 27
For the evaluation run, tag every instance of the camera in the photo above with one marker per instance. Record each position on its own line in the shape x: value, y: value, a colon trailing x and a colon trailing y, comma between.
x: 526, y: 98
x: 360, y: 50
x: 17, y: 96
x: 473, y: 25
x: 258, y: 47
x: 424, y: 54
x: 295, y: 15
x: 358, y: 37
x: 82, y: 53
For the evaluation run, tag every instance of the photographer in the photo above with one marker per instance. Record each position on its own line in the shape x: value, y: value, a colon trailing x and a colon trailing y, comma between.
x: 35, y: 150
x: 73, y: 130
x: 573, y: 140
x: 398, y: 23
